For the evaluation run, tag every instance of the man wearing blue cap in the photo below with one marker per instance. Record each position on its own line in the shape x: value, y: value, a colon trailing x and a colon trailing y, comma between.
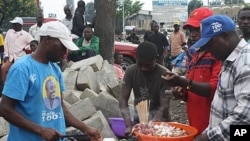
x: 230, y: 105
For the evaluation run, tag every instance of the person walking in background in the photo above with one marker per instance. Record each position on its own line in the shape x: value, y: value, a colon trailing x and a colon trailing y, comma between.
x: 160, y: 41
x: 78, y: 19
x: 29, y: 80
x: 118, y: 58
x: 178, y: 56
x: 88, y: 45
x: 150, y: 32
x: 67, y: 20
x: 16, y: 42
x: 230, y: 105
x: 34, y: 29
x: 244, y: 23
x: 144, y: 78
x: 177, y: 40
x: 198, y: 88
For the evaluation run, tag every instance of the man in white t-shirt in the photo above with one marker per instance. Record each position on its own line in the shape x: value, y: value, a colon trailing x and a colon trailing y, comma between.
x: 67, y: 20
x: 34, y: 29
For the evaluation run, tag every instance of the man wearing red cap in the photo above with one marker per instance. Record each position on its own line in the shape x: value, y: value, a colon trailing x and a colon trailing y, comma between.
x: 199, y: 86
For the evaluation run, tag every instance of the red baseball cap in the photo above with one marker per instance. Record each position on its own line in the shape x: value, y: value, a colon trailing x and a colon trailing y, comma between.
x: 197, y: 16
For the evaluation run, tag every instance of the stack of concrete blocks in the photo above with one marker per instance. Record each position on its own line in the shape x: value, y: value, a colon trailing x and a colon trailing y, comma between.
x: 92, y: 95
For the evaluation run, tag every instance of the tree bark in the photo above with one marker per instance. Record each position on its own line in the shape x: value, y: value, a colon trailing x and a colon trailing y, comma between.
x: 105, y: 27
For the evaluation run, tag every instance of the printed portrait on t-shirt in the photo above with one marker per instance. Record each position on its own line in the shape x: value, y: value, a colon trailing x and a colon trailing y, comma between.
x: 51, y: 93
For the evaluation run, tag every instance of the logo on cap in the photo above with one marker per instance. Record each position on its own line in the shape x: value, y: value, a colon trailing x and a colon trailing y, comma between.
x: 217, y: 27
x: 193, y: 14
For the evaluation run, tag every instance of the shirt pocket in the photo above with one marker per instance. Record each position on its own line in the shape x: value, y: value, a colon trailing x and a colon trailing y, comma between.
x: 225, y: 80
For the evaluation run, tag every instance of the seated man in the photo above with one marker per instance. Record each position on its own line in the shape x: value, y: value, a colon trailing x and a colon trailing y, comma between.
x: 133, y: 38
x: 88, y: 46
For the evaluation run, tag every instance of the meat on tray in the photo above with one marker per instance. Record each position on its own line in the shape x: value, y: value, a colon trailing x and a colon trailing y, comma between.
x: 161, y: 130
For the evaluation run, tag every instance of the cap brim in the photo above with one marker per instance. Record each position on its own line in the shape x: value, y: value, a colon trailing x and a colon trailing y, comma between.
x: 193, y: 23
x: 200, y: 43
x: 69, y: 44
x: 12, y: 21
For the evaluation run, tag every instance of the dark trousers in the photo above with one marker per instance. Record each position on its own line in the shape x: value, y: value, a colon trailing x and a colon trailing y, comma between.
x: 76, y: 56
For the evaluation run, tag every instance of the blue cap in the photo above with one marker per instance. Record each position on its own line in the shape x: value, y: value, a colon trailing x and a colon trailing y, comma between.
x: 212, y: 26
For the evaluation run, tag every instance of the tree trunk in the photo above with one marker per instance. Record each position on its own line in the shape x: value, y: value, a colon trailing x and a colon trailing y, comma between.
x: 105, y: 27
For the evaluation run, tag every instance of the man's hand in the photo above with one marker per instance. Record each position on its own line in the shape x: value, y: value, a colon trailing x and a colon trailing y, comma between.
x: 180, y: 93
x: 128, y: 132
x: 171, y: 79
x: 49, y: 134
x: 94, y: 134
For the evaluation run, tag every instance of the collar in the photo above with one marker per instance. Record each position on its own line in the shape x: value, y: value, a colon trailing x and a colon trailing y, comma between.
x: 236, y: 52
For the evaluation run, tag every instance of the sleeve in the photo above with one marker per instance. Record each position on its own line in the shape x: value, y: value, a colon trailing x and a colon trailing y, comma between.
x: 31, y: 30
x: 19, y: 91
x: 215, y: 76
x: 6, y: 45
x: 28, y: 38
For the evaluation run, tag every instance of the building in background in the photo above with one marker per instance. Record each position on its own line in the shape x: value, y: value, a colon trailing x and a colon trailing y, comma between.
x: 169, y: 12
x: 140, y: 20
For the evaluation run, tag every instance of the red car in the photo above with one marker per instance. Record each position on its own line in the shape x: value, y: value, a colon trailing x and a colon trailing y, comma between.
x: 128, y: 51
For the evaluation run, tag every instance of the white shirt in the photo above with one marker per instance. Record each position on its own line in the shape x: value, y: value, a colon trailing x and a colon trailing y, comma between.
x: 68, y: 23
x: 34, y: 30
x: 15, y: 42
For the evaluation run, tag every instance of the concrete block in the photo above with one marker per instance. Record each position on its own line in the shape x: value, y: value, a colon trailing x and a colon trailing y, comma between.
x: 66, y: 104
x: 95, y: 122
x: 72, y: 98
x: 95, y: 62
x: 83, y: 109
x: 108, y: 105
x: 4, y: 138
x: 114, y: 88
x: 107, y: 67
x: 88, y: 93
x: 100, y: 80
x: 4, y: 127
x: 87, y: 79
x: 106, y: 131
x: 70, y: 80
x: 98, y: 122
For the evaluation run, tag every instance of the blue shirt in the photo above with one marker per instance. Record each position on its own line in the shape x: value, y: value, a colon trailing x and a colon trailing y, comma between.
x: 35, y: 85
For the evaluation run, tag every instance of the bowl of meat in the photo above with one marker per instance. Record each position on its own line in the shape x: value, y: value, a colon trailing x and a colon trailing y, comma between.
x: 164, y: 131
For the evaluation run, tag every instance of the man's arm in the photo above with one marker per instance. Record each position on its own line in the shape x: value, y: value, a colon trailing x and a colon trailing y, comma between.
x: 8, y: 111
x: 73, y: 121
x: 123, y: 104
x: 6, y: 47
